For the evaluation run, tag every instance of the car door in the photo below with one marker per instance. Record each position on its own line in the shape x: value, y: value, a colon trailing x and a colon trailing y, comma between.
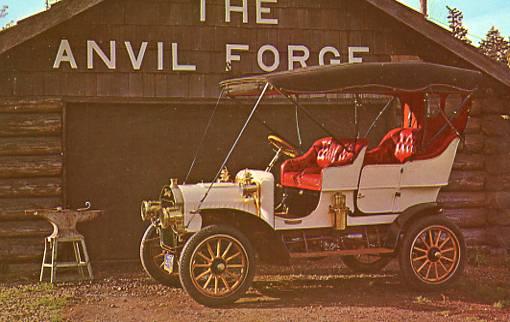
x: 379, y: 188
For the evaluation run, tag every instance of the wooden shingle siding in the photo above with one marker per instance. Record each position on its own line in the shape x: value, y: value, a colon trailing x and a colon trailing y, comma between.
x: 29, y: 68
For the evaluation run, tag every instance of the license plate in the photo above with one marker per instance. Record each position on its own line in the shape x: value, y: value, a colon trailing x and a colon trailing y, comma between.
x: 169, y: 263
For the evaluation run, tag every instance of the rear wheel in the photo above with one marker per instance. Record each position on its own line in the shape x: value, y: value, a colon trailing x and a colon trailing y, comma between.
x: 432, y: 254
x: 152, y: 257
x: 217, y: 265
x: 366, y: 263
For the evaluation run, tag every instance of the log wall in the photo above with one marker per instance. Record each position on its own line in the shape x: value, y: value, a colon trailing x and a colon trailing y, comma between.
x: 32, y: 166
x: 478, y: 195
x: 31, y: 176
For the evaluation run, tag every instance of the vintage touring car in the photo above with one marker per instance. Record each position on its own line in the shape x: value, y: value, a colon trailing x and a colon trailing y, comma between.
x: 341, y: 197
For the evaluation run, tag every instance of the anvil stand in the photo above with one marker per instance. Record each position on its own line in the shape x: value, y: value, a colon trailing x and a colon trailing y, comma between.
x: 64, y: 223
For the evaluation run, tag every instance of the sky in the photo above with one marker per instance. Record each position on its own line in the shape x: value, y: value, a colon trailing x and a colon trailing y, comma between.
x: 479, y: 16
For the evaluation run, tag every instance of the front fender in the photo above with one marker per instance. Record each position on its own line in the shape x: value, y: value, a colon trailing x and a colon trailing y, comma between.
x: 266, y: 241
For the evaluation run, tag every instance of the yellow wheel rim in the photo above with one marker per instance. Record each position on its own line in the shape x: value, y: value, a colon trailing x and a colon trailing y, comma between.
x: 219, y: 266
x: 435, y: 254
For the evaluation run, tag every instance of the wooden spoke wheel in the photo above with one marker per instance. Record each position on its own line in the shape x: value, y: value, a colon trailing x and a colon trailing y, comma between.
x: 433, y: 253
x: 367, y: 263
x: 217, y: 265
x: 152, y: 257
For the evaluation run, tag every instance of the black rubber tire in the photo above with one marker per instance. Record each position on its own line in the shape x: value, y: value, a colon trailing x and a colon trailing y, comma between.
x: 151, y: 268
x: 407, y: 273
x: 186, y: 258
x: 368, y: 268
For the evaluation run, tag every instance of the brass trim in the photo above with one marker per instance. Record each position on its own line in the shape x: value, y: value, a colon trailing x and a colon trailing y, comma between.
x: 339, y: 211
x: 150, y: 210
x: 224, y: 175
x: 292, y: 222
x: 251, y: 190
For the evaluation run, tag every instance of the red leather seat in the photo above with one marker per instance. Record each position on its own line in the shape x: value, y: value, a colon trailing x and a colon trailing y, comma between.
x: 406, y: 144
x: 304, y: 172
x: 397, y: 146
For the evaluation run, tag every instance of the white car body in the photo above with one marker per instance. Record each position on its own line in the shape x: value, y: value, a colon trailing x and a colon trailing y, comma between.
x: 381, y: 192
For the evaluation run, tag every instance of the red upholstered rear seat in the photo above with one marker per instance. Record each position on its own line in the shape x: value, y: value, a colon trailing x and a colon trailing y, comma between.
x: 402, y: 144
x: 304, y: 172
x: 398, y: 146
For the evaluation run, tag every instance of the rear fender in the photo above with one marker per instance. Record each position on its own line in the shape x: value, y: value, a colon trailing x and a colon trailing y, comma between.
x: 264, y: 238
x: 407, y: 217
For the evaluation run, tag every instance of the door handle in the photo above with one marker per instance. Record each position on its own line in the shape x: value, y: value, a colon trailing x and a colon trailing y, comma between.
x: 361, y: 196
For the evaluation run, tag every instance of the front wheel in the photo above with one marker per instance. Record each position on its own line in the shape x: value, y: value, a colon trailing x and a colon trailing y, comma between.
x: 217, y: 265
x: 152, y: 258
x: 432, y: 253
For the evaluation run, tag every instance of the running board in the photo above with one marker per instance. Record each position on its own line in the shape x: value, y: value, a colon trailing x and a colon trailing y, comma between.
x: 346, y: 252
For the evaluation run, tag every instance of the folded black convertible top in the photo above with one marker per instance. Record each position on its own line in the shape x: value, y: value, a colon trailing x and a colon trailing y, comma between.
x: 383, y: 78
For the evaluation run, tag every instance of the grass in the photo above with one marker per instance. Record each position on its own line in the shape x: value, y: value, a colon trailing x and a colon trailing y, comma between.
x: 422, y: 300
x: 477, y: 257
x: 32, y: 302
x: 502, y: 304
x: 495, y: 290
x: 487, y: 292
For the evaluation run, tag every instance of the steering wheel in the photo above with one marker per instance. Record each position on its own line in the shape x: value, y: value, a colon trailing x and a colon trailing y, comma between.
x: 283, y: 146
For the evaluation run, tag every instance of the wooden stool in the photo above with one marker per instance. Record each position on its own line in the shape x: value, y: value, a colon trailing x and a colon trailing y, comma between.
x: 81, y: 257
x: 64, y: 223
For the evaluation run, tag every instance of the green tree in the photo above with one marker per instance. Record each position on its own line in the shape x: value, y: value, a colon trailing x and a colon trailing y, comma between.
x: 495, y: 46
x: 3, y: 11
x: 455, y: 19
x: 508, y: 54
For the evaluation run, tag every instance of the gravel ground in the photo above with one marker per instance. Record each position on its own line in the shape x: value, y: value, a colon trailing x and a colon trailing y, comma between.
x: 322, y: 291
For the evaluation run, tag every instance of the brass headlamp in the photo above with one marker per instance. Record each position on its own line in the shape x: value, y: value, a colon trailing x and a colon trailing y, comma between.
x: 172, y: 217
x: 150, y: 210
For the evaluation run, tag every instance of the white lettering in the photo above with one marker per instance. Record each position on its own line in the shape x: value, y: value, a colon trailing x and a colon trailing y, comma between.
x: 242, y: 9
x: 332, y: 50
x: 268, y: 56
x: 65, y: 54
x: 234, y: 57
x: 202, y: 11
x: 276, y: 58
x: 175, y: 61
x: 292, y: 49
x: 136, y: 61
x: 261, y: 10
x: 355, y: 50
x: 93, y: 47
x: 160, y: 56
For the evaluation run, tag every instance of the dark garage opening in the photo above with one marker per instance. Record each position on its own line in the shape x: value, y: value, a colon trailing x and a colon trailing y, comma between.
x: 118, y: 155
